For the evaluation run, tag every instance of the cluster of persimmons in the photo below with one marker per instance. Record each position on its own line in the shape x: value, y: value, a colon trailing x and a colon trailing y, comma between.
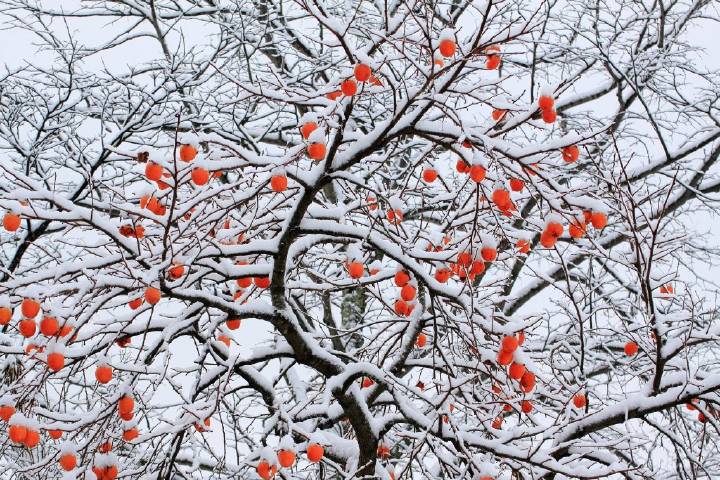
x: 467, y: 264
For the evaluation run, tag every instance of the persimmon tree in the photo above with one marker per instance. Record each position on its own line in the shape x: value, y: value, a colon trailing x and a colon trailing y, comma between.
x: 359, y: 239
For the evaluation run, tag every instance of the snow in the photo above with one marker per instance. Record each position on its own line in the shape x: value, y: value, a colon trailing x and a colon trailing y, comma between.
x: 69, y: 144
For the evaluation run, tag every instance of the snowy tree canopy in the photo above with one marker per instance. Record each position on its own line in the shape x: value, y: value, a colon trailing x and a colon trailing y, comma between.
x: 347, y: 239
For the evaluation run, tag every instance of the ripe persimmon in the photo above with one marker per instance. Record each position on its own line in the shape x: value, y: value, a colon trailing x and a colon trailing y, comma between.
x: 383, y: 451
x: 233, y: 323
x: 401, y: 278
x: 103, y: 373
x: 477, y: 173
x: 278, y: 183
x: 509, y: 343
x: 527, y: 381
x: 68, y: 462
x: 187, y: 153
x: 110, y: 472
x: 554, y: 228
x: 464, y: 259
x: 127, y: 416
x: 516, y: 185
x: 631, y: 348
x: 516, y: 371
x: 105, y: 447
x: 130, y: 434
x: 598, y: 220
x: 367, y: 382
x: 262, y: 281
x: 549, y: 116
x: 265, y: 470
x: 547, y: 240
x: 55, y: 361
x: 17, y: 433
x: 489, y: 254
x: 316, y: 151
x: 27, y: 327
x: 356, y: 269
x: 152, y: 295
x: 501, y: 198
x: 461, y: 166
x: 429, y: 175
x: 5, y: 315
x: 126, y: 404
x: 493, y: 59
x: 546, y: 102
x: 523, y: 246
x: 105, y: 473
x: 32, y: 438
x: 348, y: 87
x: 477, y: 267
x: 493, y: 62
x: 526, y: 406
x: 153, y: 171
x: 504, y: 357
x: 11, y: 222
x: 154, y: 205
x: 362, y: 72
x: 286, y: 458
x: 421, y: 340
x: 126, y: 230
x: 307, y: 129
x: 200, y: 176
x: 579, y: 400
x: 55, y: 434
x: 135, y: 303
x: 408, y: 292
x: 447, y: 47
x: 49, y: 326
x: 577, y: 229
x: 570, y: 154
x: 29, y: 308
x: 315, y: 452
x: 442, y: 275
x: 176, y: 271
x: 498, y: 114
x: 144, y: 200
x: 334, y: 95
x: 401, y: 308
x: 395, y: 216
x: 6, y: 411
